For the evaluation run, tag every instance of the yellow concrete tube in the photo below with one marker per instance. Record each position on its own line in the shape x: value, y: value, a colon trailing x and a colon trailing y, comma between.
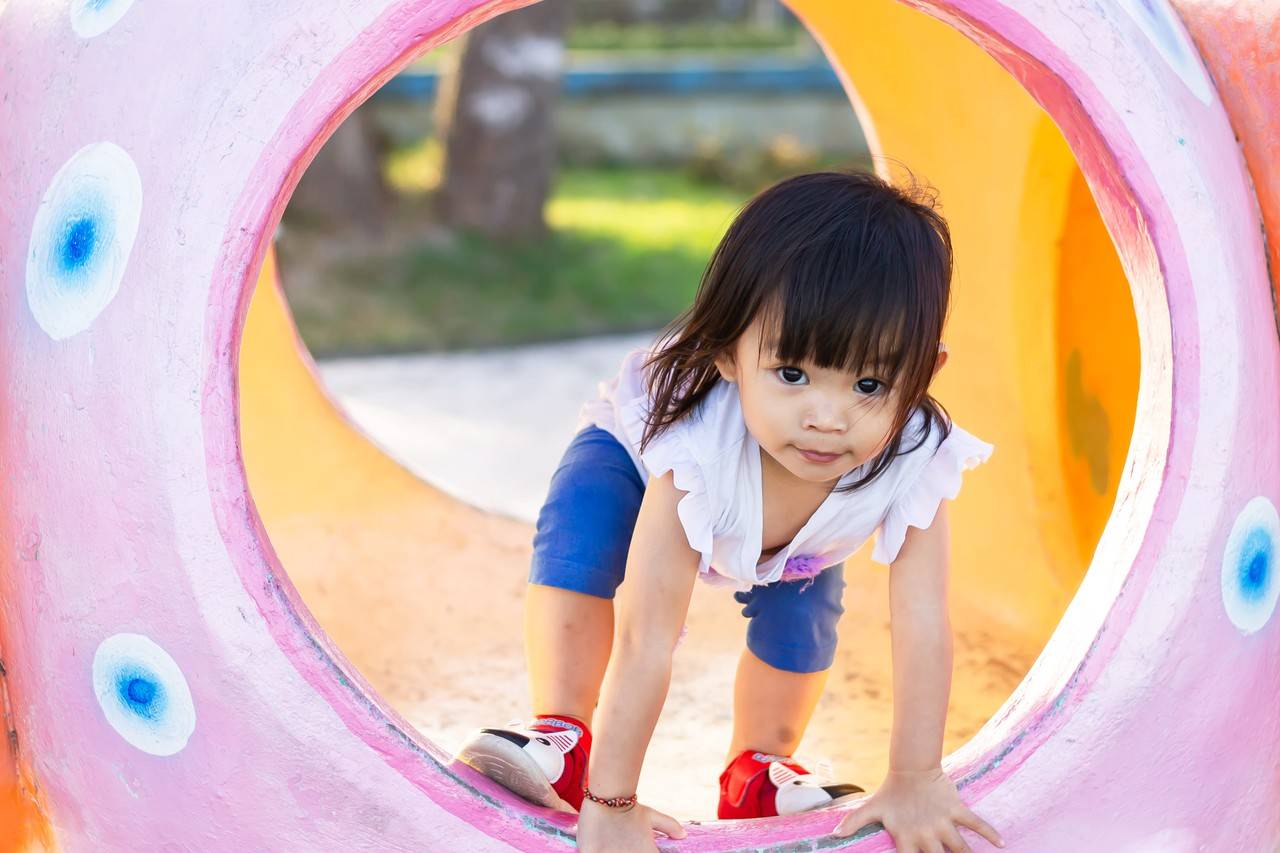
x: 423, y: 594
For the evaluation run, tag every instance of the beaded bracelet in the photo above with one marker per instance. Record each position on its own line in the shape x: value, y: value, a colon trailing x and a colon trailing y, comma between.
x: 613, y: 802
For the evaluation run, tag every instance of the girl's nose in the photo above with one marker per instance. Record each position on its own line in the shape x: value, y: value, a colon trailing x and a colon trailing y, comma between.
x: 825, y: 416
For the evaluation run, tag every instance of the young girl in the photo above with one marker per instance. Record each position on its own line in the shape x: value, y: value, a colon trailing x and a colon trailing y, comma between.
x: 775, y: 425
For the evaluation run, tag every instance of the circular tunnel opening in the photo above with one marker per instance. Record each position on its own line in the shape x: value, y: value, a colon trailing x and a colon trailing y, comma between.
x: 1044, y: 365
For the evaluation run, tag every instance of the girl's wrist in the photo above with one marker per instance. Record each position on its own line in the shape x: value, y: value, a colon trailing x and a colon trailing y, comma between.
x: 612, y: 803
x: 915, y: 771
x: 589, y: 806
x: 599, y: 808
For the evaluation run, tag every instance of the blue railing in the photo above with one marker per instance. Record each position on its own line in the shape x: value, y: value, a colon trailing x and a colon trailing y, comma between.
x: 684, y: 77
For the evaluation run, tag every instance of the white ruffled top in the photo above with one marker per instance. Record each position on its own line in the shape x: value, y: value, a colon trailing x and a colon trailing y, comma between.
x: 716, y: 461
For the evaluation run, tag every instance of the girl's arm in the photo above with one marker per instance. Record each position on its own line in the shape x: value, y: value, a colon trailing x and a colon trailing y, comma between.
x: 918, y: 804
x: 922, y: 647
x: 650, y: 607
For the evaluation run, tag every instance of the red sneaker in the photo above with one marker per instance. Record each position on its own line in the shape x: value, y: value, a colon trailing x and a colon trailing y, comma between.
x: 544, y: 761
x: 756, y: 784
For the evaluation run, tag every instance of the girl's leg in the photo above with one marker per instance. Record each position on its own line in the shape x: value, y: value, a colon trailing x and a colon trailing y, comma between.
x: 567, y: 638
x: 771, y: 706
x: 579, y: 558
x: 791, y: 643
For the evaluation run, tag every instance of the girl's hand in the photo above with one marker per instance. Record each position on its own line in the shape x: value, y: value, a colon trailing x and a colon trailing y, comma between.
x: 602, y: 829
x: 921, y: 811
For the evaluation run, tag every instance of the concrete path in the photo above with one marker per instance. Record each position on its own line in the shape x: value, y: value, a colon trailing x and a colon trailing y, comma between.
x: 488, y: 426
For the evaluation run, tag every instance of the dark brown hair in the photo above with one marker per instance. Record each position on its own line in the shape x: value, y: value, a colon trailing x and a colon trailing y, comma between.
x: 852, y: 270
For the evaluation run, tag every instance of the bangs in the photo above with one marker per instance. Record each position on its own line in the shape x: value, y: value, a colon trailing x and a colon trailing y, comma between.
x: 854, y: 337
x: 859, y: 305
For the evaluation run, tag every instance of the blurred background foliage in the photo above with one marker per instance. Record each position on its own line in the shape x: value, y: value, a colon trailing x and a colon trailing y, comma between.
x: 562, y: 170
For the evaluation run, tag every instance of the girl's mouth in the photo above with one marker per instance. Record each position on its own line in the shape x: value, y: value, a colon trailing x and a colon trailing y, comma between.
x: 818, y: 458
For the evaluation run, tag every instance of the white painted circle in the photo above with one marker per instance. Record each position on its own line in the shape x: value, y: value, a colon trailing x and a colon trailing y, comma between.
x: 91, y: 18
x: 143, y: 694
x: 1250, y: 565
x: 1163, y: 27
x: 81, y: 238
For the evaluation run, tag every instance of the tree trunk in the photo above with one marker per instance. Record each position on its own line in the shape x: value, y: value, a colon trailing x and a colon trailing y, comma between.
x: 344, y: 182
x: 768, y: 14
x: 497, y: 120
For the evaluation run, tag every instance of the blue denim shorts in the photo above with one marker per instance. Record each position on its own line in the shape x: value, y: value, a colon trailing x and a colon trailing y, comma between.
x: 584, y: 530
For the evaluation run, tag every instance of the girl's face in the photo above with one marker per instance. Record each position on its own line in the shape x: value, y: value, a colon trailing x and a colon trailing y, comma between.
x: 818, y: 423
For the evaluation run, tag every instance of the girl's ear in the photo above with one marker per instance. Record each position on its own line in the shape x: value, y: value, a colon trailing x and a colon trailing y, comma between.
x: 942, y: 358
x: 728, y: 370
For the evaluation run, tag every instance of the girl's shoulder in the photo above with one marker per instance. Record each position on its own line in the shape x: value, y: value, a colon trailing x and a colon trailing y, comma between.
x: 713, y: 428
x: 630, y: 381
x: 930, y: 447
x: 928, y: 469
x: 925, y: 439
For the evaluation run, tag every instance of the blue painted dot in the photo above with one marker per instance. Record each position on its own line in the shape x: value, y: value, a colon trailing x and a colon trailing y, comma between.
x: 1255, y: 563
x: 141, y: 693
x: 1250, y: 585
x: 79, y: 242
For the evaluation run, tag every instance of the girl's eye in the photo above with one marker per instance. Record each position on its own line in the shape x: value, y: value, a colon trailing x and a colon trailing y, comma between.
x: 869, y: 386
x: 791, y: 375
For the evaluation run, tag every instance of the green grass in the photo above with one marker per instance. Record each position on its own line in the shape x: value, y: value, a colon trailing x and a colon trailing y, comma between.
x: 626, y: 253
x: 700, y: 36
x: 623, y: 41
